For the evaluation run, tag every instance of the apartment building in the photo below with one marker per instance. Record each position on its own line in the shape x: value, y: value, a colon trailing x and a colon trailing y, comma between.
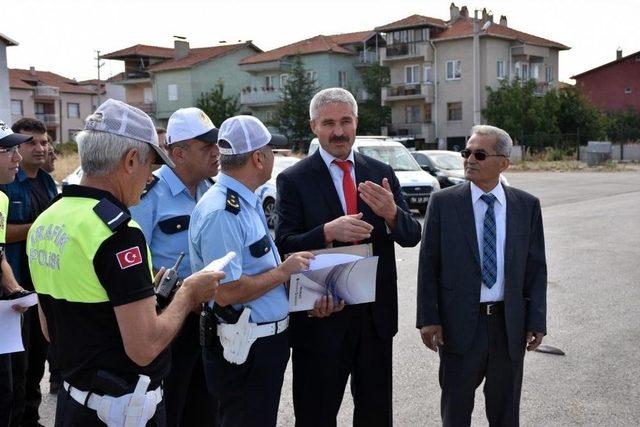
x: 440, y: 70
x: 5, y: 100
x: 332, y: 61
x: 59, y: 102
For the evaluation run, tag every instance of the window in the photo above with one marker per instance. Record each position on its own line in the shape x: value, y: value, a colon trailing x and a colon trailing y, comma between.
x: 454, y: 111
x: 172, y: 92
x: 535, y: 71
x: 268, y: 82
x: 500, y: 70
x: 73, y: 110
x: 312, y: 75
x: 627, y: 90
x: 412, y: 74
x: 412, y: 114
x: 548, y: 73
x: 454, y: 70
x: 16, y: 107
x: 427, y: 74
x: 342, y: 79
x: 524, y: 68
x: 427, y: 113
x: 39, y: 107
x: 284, y: 78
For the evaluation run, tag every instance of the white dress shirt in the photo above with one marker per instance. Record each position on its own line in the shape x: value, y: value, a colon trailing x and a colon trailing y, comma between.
x: 496, y: 293
x: 336, y: 174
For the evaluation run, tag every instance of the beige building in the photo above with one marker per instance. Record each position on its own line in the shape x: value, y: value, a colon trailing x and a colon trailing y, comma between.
x: 440, y: 71
x: 59, y: 102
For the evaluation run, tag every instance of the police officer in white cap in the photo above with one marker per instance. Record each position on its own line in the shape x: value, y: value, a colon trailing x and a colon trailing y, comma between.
x: 245, y: 362
x: 163, y: 215
x: 91, y: 268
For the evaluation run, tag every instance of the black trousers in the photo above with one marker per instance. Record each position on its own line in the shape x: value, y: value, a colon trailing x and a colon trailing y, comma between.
x: 321, y: 368
x: 28, y: 369
x: 6, y: 390
x: 488, y: 360
x: 70, y: 413
x: 188, y: 401
x: 248, y: 394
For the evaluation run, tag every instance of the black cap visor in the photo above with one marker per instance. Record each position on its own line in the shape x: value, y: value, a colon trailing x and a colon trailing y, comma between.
x: 278, y: 140
x: 14, y: 139
x: 210, y: 136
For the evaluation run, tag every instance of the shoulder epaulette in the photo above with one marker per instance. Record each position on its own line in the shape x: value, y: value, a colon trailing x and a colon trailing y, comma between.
x: 112, y: 215
x: 150, y: 185
x: 233, y: 202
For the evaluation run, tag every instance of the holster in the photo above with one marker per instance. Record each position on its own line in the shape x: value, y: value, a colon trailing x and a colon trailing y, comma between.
x: 236, y: 339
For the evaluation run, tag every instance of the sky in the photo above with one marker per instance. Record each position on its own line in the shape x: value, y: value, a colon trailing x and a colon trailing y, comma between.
x: 62, y: 36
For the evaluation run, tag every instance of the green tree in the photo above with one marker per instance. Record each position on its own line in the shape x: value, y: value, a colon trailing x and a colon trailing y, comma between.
x: 577, y: 116
x: 292, y: 116
x: 371, y: 114
x: 623, y: 126
x: 217, y: 106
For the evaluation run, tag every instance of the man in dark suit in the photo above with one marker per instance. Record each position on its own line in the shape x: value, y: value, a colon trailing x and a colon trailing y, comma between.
x: 318, y: 207
x: 482, y: 282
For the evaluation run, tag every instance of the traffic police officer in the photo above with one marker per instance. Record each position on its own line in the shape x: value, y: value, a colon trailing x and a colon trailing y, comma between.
x: 163, y: 215
x: 91, y: 268
x: 229, y: 218
x: 9, y: 163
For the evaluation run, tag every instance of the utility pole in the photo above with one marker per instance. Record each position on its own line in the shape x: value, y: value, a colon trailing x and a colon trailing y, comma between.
x: 98, y: 66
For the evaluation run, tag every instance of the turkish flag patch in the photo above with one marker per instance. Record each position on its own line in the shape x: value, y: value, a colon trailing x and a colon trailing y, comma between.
x: 129, y: 257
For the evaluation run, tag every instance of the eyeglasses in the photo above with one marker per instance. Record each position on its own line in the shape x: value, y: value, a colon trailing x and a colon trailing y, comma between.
x: 479, y: 155
x: 11, y: 150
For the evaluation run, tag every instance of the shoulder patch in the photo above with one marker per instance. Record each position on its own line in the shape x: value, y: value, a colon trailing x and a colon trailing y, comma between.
x: 110, y: 214
x: 233, y: 202
x: 150, y: 184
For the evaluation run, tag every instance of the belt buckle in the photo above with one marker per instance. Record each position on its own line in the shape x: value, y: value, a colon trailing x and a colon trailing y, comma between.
x: 489, y: 309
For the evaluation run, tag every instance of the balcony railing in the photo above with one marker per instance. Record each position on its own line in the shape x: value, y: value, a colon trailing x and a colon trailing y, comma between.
x: 424, y: 131
x: 398, y: 51
x: 48, y: 119
x: 366, y: 58
x: 43, y: 91
x: 260, y: 96
x: 147, y: 107
x: 406, y: 91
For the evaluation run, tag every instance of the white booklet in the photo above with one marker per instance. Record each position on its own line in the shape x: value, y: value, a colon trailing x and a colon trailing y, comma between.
x: 345, y: 276
x: 11, y: 337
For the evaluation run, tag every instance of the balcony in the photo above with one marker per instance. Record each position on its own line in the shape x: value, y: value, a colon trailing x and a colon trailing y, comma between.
x: 425, y: 131
x: 541, y: 88
x: 406, y: 92
x: 46, y: 92
x: 260, y: 96
x: 48, y: 119
x: 404, y: 51
x: 366, y: 59
x: 147, y: 107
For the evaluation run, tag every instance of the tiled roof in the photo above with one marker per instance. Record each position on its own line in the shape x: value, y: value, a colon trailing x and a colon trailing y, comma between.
x: 463, y: 28
x: 18, y: 80
x: 332, y: 43
x: 624, y: 58
x: 198, y: 55
x: 141, y: 50
x: 412, y: 21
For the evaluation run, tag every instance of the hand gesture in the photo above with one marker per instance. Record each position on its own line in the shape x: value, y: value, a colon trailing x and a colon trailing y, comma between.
x: 432, y: 336
x: 296, y: 262
x: 347, y: 228
x: 324, y: 306
x: 202, y: 286
x: 379, y: 199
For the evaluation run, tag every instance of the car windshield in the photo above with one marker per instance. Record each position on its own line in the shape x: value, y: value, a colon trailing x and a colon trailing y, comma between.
x: 396, y: 157
x: 281, y: 163
x: 447, y: 161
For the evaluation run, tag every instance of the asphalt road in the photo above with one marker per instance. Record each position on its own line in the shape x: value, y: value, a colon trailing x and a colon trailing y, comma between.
x: 592, y: 226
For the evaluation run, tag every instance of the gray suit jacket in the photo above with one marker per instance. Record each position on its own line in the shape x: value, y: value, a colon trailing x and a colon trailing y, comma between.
x: 449, y: 272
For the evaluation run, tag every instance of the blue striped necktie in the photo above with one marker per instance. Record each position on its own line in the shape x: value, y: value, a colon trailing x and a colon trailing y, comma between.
x: 489, y: 257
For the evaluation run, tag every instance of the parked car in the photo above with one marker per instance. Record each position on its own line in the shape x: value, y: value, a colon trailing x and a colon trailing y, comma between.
x: 417, y: 185
x: 446, y: 166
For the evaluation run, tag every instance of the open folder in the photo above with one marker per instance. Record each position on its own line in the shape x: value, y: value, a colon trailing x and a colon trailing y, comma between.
x: 347, y: 273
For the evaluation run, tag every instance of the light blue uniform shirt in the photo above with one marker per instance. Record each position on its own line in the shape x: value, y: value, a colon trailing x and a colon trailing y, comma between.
x: 214, y: 231
x: 163, y: 214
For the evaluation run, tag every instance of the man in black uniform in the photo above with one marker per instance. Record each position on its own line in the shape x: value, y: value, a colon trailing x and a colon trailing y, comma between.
x: 91, y: 268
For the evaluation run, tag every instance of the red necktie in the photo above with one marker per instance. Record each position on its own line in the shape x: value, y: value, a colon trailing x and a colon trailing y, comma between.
x: 348, y: 187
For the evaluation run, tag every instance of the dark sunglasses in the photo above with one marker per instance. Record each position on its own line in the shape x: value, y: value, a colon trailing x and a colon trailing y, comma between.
x: 479, y: 155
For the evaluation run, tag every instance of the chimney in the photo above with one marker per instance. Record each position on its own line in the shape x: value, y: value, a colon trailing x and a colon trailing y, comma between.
x: 181, y: 49
x: 454, y: 11
x: 503, y: 20
x: 464, y: 12
x: 619, y: 53
x: 32, y: 70
x: 485, y: 15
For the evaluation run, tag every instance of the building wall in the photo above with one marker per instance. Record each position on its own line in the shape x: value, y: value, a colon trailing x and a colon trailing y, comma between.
x: 605, y: 88
x: 5, y: 103
x: 70, y: 125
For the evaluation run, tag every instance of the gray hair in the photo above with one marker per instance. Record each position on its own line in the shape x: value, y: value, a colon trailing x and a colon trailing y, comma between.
x: 503, y: 140
x: 330, y: 96
x: 100, y: 152
x: 232, y: 161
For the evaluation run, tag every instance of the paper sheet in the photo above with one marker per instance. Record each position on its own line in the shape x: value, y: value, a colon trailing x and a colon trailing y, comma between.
x: 11, y: 337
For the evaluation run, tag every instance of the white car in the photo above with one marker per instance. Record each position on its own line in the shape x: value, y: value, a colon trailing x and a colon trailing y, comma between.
x: 417, y: 185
